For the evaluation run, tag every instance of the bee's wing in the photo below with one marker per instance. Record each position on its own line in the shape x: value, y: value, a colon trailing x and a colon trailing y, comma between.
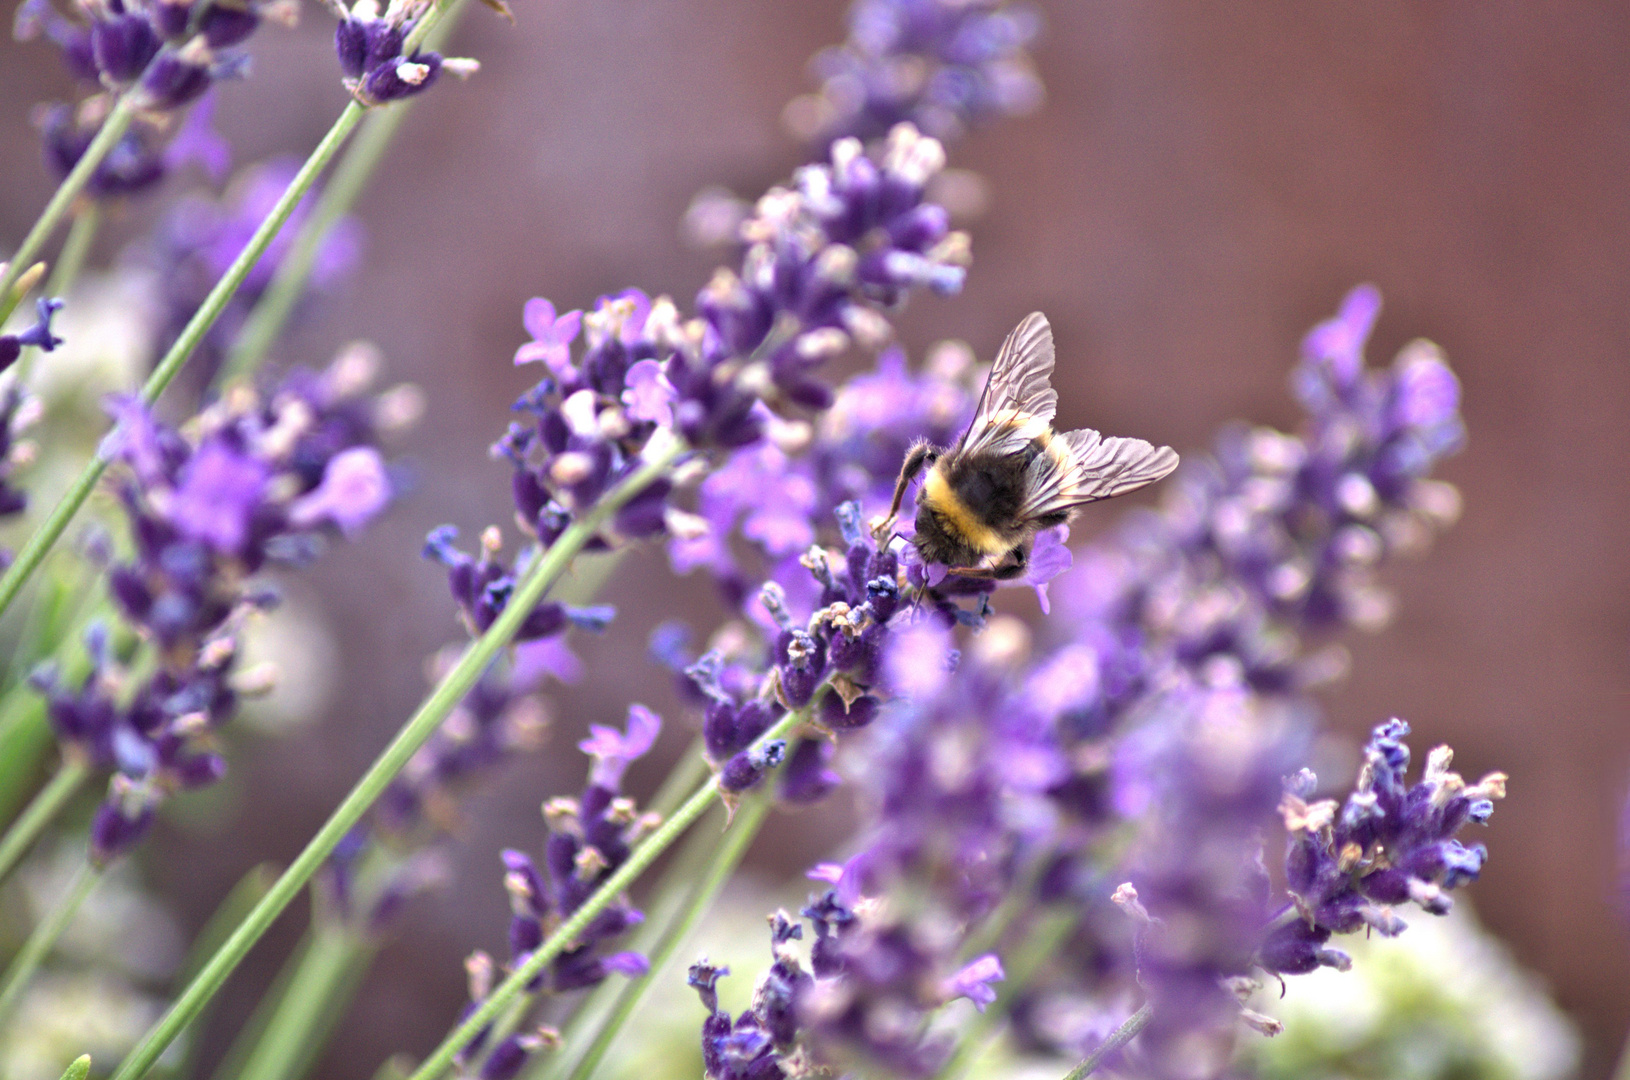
x: 1083, y: 466
x: 1019, y: 389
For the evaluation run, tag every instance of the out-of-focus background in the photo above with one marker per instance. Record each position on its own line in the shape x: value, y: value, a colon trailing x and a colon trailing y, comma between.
x: 1202, y: 186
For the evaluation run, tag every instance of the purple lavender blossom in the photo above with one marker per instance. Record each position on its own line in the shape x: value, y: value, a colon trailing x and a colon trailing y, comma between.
x: 39, y: 335
x: 168, y: 53
x: 17, y: 411
x: 589, y: 838
x: 1388, y: 844
x: 206, y: 511
x: 372, y: 64
x: 943, y: 65
x: 820, y: 259
x: 759, y: 1044
x: 1174, y: 710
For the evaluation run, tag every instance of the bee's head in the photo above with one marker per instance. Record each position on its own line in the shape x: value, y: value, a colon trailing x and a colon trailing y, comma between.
x: 938, y: 541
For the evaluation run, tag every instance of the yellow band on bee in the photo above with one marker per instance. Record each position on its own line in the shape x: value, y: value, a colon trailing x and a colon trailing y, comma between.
x: 962, y: 521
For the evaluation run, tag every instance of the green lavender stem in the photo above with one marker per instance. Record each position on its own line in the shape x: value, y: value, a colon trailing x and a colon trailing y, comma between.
x: 564, y: 937
x: 351, y: 175
x: 28, y: 560
x: 43, y: 939
x: 447, y: 694
x: 749, y: 819
x: 226, y: 916
x: 51, y: 529
x: 1117, y: 1039
x: 112, y: 130
x: 70, y: 775
x: 329, y: 967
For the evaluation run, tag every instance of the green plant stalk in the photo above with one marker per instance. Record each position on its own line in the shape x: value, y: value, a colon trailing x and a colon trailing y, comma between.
x: 424, y: 722
x: 51, y: 529
x: 67, y: 780
x: 687, y: 772
x: 25, y: 735
x: 330, y: 967
x: 70, y: 261
x: 567, y: 934
x: 249, y: 1035
x: 351, y: 175
x: 33, y: 552
x: 113, y: 128
x: 79, y: 1069
x: 43, y: 939
x: 231, y: 910
x: 749, y: 819
x: 25, y: 738
x: 1118, y: 1038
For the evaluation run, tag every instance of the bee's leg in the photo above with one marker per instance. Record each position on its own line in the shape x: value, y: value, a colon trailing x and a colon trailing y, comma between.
x: 920, y: 456
x: 1020, y: 557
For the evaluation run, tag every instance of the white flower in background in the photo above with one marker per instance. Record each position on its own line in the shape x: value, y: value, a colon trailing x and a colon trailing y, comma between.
x: 65, y: 1015
x: 1444, y: 999
x: 107, y: 342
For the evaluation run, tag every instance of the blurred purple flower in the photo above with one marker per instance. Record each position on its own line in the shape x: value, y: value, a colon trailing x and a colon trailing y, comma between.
x: 551, y: 337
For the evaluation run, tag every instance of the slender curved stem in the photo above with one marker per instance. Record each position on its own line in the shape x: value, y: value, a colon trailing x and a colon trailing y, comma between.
x: 351, y: 175
x: 44, y: 938
x: 424, y: 722
x: 749, y: 819
x: 113, y: 128
x: 334, y: 958
x: 567, y: 935
x: 1117, y: 1039
x: 28, y: 560
x: 39, y: 812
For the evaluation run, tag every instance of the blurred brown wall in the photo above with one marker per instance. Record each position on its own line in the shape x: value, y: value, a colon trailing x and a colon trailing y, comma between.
x: 1203, y: 185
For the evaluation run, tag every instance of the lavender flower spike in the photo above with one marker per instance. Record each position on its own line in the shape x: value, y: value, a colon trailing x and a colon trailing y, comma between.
x: 943, y: 65
x: 374, y: 68
x: 1347, y: 866
x: 612, y: 751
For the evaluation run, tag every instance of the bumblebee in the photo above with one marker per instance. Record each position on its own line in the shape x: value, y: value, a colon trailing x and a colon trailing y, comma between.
x: 1011, y: 475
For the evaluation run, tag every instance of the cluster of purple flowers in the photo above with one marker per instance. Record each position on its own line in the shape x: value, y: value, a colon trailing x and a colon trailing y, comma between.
x: 943, y: 65
x: 772, y: 494
x: 254, y: 481
x: 589, y: 838
x: 199, y: 238
x: 760, y: 1043
x: 1389, y: 843
x: 14, y: 417
x: 821, y: 259
x: 824, y: 651
x: 1168, y: 716
x: 167, y: 52
x: 370, y: 47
